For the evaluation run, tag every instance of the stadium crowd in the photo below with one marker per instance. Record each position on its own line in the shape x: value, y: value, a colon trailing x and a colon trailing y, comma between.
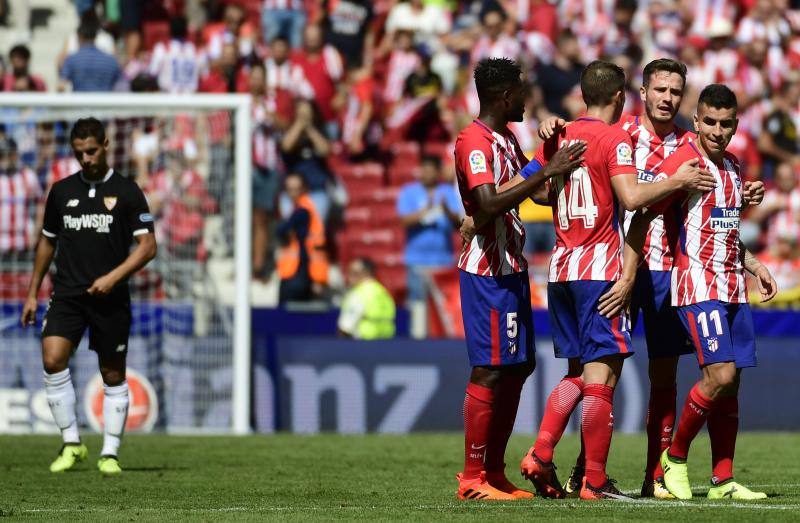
x: 357, y: 102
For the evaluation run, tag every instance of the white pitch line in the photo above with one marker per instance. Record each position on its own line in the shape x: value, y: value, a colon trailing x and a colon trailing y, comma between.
x: 557, y: 505
x: 704, y: 488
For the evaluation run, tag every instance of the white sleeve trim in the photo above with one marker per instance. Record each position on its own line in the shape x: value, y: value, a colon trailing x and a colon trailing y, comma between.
x: 48, y: 233
x: 139, y: 232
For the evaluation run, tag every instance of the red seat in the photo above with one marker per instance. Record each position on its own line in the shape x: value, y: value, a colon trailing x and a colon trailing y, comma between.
x: 400, y: 175
x: 393, y: 276
x: 405, y: 152
x: 154, y: 31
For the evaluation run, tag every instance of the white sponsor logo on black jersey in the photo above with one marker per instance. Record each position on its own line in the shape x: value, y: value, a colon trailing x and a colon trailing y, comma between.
x: 98, y: 222
x: 72, y: 203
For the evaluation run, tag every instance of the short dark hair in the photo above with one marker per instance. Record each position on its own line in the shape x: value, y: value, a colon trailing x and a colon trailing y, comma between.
x: 495, y: 75
x: 663, y: 64
x: 89, y: 25
x: 86, y: 127
x: 600, y: 81
x: 178, y: 27
x: 20, y: 50
x: 717, y: 96
x: 368, y: 264
x: 432, y: 158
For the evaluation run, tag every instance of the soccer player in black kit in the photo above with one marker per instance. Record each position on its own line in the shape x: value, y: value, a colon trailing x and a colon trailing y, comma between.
x: 91, y: 220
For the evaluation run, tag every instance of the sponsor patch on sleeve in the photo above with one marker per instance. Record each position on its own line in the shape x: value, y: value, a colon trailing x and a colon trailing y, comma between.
x: 477, y: 162
x: 145, y: 217
x: 624, y: 154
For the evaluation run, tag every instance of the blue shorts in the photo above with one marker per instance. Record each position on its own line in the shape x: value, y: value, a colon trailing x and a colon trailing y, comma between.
x: 721, y: 332
x: 579, y: 330
x: 663, y: 329
x: 498, y: 321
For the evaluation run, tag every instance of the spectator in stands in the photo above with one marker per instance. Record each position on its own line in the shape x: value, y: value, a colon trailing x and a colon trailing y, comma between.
x: 177, y: 63
x: 302, y: 260
x: 226, y: 75
x: 368, y: 311
x: 557, y: 80
x: 268, y: 168
x: 348, y: 28
x: 361, y: 130
x: 233, y: 29
x: 102, y: 40
x: 427, y: 20
x: 283, y: 18
x: 783, y: 261
x: 322, y: 69
x: 778, y: 142
x: 130, y: 25
x: 20, y: 194
x: 430, y: 210
x: 780, y: 211
x: 305, y: 151
x: 280, y: 71
x: 89, y: 69
x: 19, y: 78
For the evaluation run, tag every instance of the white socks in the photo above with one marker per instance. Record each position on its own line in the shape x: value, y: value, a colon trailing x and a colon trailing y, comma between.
x: 61, y: 398
x: 115, y: 412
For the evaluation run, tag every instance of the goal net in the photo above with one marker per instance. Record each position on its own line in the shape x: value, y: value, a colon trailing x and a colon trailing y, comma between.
x: 189, y: 350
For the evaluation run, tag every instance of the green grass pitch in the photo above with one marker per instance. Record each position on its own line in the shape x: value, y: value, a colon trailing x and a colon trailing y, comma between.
x: 374, y: 477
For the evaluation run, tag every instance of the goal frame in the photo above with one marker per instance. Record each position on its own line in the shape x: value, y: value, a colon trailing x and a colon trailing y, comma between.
x: 239, y: 104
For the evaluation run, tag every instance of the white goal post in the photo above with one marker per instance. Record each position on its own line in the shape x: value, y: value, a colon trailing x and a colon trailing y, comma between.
x: 73, y: 105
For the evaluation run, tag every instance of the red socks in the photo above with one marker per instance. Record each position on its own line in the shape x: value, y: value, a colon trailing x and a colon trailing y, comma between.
x: 723, y: 424
x: 506, y: 401
x: 694, y: 414
x: 560, y: 404
x: 660, y: 422
x: 478, y: 404
x: 597, y: 427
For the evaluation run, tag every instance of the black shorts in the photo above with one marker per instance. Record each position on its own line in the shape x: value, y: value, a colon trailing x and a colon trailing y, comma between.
x: 108, y: 319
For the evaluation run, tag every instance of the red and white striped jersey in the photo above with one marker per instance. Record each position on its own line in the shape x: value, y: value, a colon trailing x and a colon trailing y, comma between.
x: 484, y: 156
x: 266, y: 153
x: 785, y: 221
x: 288, y: 76
x: 585, y: 209
x: 706, y: 12
x: 177, y: 66
x: 649, y: 151
x: 401, y: 65
x: 60, y: 169
x: 20, y: 193
x: 703, y: 229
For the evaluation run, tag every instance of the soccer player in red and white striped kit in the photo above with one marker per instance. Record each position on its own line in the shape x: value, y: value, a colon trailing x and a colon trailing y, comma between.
x: 655, y: 137
x: 709, y: 292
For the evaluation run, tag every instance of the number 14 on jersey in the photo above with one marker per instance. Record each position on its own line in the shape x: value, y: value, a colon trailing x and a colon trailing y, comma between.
x: 575, y: 201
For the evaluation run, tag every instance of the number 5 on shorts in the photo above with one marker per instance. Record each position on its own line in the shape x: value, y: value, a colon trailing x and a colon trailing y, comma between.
x: 511, y: 325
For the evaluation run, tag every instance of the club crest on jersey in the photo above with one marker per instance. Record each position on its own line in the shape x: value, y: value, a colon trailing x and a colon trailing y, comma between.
x: 724, y: 218
x: 624, y: 154
x: 477, y: 162
x: 110, y: 202
x: 713, y: 344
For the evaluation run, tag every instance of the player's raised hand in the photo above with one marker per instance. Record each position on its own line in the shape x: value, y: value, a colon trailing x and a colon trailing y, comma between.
x: 616, y: 299
x: 29, y: 311
x: 566, y: 160
x: 766, y: 284
x: 102, y: 285
x: 753, y: 193
x: 551, y: 126
x: 692, y: 178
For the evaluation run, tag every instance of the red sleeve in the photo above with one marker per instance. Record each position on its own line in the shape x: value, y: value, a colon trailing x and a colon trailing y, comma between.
x: 620, y: 154
x: 547, y: 150
x: 474, y: 158
x: 667, y: 169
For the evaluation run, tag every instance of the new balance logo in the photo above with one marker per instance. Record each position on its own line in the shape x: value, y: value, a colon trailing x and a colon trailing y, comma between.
x: 120, y: 348
x: 72, y: 203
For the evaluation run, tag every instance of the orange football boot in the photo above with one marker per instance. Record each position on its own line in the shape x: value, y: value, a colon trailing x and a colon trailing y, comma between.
x: 479, y: 488
x: 499, y: 481
x: 542, y: 475
x: 606, y: 491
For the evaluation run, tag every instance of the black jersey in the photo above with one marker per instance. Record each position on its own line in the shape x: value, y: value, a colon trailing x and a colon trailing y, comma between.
x: 93, y: 224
